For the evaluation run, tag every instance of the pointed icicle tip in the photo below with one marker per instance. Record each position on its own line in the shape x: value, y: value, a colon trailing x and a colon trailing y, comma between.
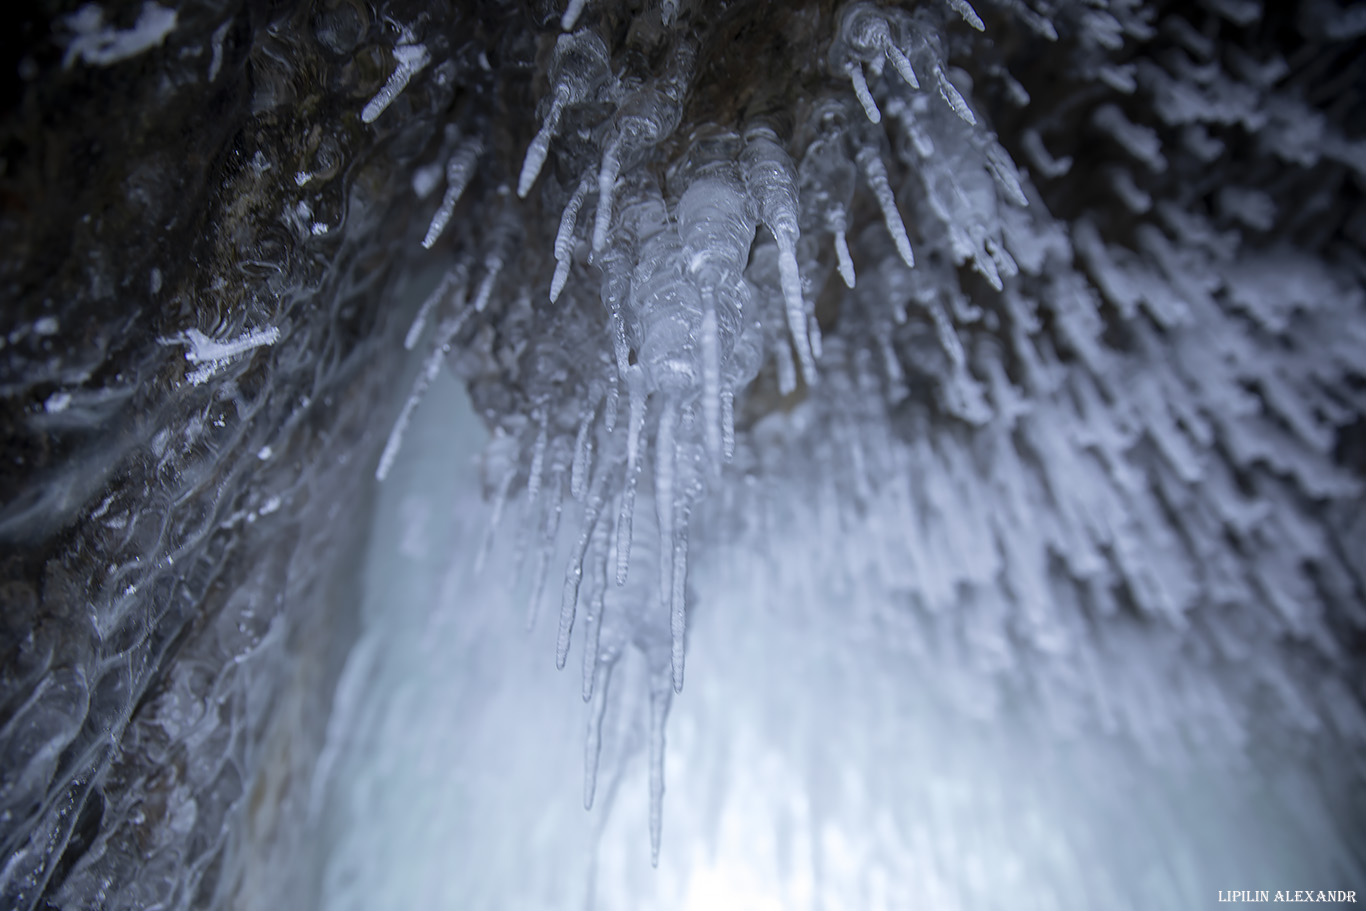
x: 876, y: 173
x: 846, y: 262
x: 964, y: 9
x: 865, y: 98
x: 539, y: 149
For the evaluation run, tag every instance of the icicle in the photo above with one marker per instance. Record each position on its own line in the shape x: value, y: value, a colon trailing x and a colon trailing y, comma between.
x: 787, y: 371
x: 727, y: 424
x: 533, y: 481
x: 665, y: 469
x: 611, y: 404
x: 876, y: 174
x: 951, y: 95
x: 549, y: 532
x: 790, y: 276
x: 711, y: 379
x: 573, y: 575
x: 571, y: 14
x: 607, y: 181
x: 540, y: 144
x: 411, y: 58
x: 603, y: 549
x: 660, y: 697
x: 564, y: 238
x: 899, y: 62
x: 865, y: 98
x: 948, y: 338
x: 813, y: 332
x: 500, y: 498
x: 592, y: 743
x: 964, y: 9
x: 635, y: 390
x: 494, y: 265
x: 424, y: 379
x: 846, y: 262
x: 1003, y: 169
x: 459, y: 171
x: 678, y: 615
x: 583, y: 455
x: 443, y: 288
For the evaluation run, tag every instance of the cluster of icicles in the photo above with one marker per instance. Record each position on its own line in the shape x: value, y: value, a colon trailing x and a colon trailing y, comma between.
x: 701, y: 281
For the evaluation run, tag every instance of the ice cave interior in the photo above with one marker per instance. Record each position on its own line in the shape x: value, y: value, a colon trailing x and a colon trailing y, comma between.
x: 682, y: 454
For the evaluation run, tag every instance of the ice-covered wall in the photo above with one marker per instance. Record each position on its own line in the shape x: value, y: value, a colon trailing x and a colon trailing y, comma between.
x: 1024, y: 337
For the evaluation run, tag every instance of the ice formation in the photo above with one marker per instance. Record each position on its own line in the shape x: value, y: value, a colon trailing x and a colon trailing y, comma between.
x: 1096, y: 427
x: 1012, y: 349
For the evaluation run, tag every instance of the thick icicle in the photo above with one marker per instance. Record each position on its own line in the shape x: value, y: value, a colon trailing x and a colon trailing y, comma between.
x: 876, y: 174
x: 580, y: 64
x: 865, y: 98
x: 564, y: 238
x: 459, y: 171
x: 573, y: 576
x: 772, y: 181
x: 846, y: 262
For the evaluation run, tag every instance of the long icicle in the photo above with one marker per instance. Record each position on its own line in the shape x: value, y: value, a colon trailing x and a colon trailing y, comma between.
x: 564, y: 238
x: 581, y: 467
x: 876, y: 174
x: 711, y: 379
x: 634, y: 387
x: 550, y: 531
x: 678, y: 615
x: 604, y: 555
x: 573, y: 576
x: 846, y: 262
x: 449, y: 328
x: 855, y: 70
x: 540, y: 144
x: 607, y: 181
x: 665, y: 469
x: 592, y: 743
x: 459, y: 171
x: 660, y: 697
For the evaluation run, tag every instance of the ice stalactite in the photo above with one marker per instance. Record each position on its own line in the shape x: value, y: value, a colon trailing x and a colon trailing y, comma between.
x: 994, y: 380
